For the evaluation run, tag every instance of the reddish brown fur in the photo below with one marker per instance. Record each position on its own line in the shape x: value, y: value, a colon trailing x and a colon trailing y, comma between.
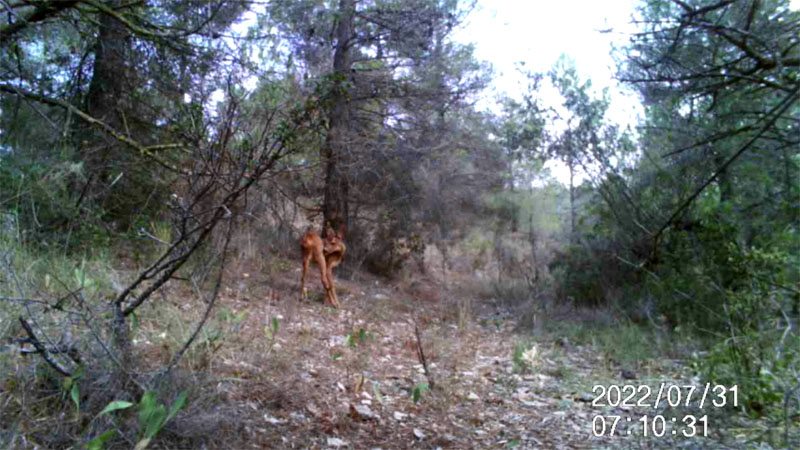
x: 327, y: 253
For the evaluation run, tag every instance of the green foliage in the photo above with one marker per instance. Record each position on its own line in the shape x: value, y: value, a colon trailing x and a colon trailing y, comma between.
x: 759, y: 354
x: 72, y: 385
x: 524, y: 357
x: 271, y: 332
x: 416, y: 392
x: 44, y: 198
x: 584, y: 273
x: 629, y: 345
x: 99, y: 442
x: 153, y: 416
x: 114, y: 406
x: 377, y: 391
x: 762, y: 364
x: 734, y: 286
x: 230, y: 317
x: 356, y: 337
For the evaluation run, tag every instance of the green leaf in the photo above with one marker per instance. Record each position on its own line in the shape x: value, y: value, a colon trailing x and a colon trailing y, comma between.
x: 416, y: 393
x: 155, y: 421
x: 114, y: 406
x: 97, y: 443
x: 274, y: 324
x: 377, y: 392
x: 80, y: 275
x: 148, y: 401
x: 177, y: 405
x: 147, y: 408
x: 74, y: 393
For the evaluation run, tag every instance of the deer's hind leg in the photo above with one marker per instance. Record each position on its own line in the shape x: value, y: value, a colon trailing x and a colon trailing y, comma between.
x: 327, y: 283
x: 306, y: 261
x: 334, y: 297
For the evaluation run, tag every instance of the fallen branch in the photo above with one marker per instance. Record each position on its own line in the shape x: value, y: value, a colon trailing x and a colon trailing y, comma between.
x: 421, y: 356
x: 42, y: 350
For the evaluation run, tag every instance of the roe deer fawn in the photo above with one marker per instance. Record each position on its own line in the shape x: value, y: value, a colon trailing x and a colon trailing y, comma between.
x: 327, y: 252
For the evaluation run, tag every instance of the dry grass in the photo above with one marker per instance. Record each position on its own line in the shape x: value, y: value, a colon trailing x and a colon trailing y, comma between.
x: 272, y: 372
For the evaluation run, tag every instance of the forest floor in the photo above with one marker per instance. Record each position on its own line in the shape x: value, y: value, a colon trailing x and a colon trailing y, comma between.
x: 291, y: 374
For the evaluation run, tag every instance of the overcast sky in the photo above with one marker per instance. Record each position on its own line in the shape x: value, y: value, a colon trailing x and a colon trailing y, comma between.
x: 537, y: 32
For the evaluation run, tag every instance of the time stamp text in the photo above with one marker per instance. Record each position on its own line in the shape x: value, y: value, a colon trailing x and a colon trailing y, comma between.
x: 658, y: 425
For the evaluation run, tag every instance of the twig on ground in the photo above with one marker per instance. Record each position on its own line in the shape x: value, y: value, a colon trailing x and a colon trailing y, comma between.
x: 421, y: 356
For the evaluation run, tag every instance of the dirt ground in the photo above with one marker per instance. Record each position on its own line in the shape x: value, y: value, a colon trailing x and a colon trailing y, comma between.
x: 302, y: 375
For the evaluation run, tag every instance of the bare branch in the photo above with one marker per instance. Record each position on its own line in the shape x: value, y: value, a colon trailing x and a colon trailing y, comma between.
x: 42, y: 350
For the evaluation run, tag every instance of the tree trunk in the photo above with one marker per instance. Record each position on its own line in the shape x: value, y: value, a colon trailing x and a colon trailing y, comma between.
x: 571, y: 164
x: 724, y: 181
x: 335, y: 152
x: 108, y: 100
x: 532, y: 242
x: 111, y: 55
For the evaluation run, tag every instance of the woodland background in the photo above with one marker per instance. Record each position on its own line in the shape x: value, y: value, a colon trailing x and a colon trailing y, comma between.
x: 159, y: 160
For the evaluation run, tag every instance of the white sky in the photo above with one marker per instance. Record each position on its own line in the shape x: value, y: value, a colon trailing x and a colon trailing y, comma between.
x: 538, y: 32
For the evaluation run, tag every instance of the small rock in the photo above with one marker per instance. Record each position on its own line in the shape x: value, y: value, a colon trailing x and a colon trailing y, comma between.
x: 419, y: 434
x: 472, y: 396
x: 312, y: 408
x: 362, y: 412
x: 336, y: 442
x: 272, y: 420
x: 399, y: 416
